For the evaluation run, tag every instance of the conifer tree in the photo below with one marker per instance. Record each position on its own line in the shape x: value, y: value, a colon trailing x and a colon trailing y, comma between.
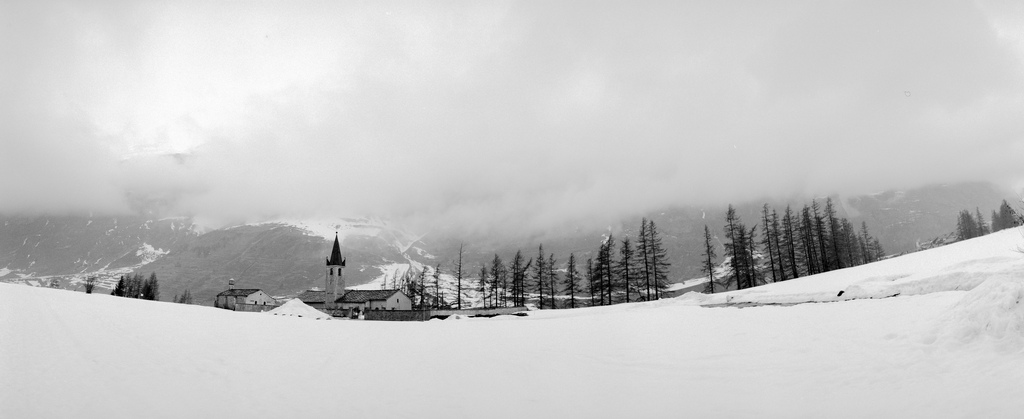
x: 482, y: 286
x: 789, y: 242
x: 552, y: 279
x: 604, y: 272
x: 754, y: 275
x: 834, y: 234
x: 437, y: 287
x: 659, y: 259
x: 822, y: 239
x: 458, y: 279
x: 498, y: 280
x: 982, y: 227
x: 151, y: 288
x: 623, y: 267
x: 767, y: 244
x: 734, y: 248
x: 119, y: 288
x: 642, y: 252
x: 539, y: 274
x: 591, y: 281
x: 517, y: 267
x: 572, y: 280
x: 808, y: 243
x: 708, y: 261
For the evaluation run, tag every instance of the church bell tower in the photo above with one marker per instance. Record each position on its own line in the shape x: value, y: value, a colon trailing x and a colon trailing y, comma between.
x: 334, y: 280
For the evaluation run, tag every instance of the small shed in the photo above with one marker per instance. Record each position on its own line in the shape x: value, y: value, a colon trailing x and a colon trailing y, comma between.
x: 234, y: 299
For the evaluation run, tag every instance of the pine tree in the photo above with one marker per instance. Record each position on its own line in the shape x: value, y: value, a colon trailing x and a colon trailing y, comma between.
x: 808, y: 244
x: 499, y: 281
x: 823, y: 239
x: 642, y: 253
x: 437, y: 287
x: 834, y: 234
x: 482, y: 286
x: 708, y: 261
x: 967, y: 226
x: 659, y: 259
x: 591, y: 281
x: 789, y: 243
x: 755, y: 275
x: 734, y: 248
x: 624, y: 267
x: 150, y: 289
x: 516, y: 269
x: 982, y: 227
x: 539, y: 274
x: 119, y: 288
x: 767, y: 243
x: 603, y: 271
x: 572, y: 280
x: 552, y: 279
x: 458, y: 279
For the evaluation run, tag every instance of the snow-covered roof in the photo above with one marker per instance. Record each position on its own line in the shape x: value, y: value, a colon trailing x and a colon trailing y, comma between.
x: 243, y: 292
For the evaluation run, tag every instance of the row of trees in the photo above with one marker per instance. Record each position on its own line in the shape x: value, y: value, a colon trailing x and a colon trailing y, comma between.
x: 807, y: 242
x: 1005, y: 218
x: 630, y: 269
x: 136, y: 286
x: 969, y: 226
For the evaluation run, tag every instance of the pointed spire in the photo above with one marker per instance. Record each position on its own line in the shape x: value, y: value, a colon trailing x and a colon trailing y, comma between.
x: 335, y: 258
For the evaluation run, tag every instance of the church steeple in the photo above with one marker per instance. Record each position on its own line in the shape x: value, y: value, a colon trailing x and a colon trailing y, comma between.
x: 336, y: 259
x: 334, y: 278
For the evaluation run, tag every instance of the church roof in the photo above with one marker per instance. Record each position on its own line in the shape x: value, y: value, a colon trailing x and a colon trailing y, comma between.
x: 350, y: 296
x: 336, y: 258
x: 362, y: 296
x: 239, y: 292
x: 312, y: 296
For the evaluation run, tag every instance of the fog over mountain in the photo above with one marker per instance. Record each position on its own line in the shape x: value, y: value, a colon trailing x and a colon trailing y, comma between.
x: 498, y: 117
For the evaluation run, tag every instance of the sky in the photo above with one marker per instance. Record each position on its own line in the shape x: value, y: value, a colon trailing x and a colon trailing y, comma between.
x: 516, y: 116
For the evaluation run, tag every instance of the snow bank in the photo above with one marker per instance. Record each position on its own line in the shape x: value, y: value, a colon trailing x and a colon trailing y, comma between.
x: 296, y: 308
x: 992, y: 311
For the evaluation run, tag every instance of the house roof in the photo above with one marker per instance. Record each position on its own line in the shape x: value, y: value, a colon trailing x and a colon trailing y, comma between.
x: 350, y: 296
x: 244, y: 292
x: 336, y: 258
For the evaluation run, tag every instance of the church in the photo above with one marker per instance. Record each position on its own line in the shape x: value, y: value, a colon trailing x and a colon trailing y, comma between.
x: 334, y: 299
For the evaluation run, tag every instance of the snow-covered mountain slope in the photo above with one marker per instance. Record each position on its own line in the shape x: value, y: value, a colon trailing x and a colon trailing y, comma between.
x: 959, y: 266
x: 940, y: 351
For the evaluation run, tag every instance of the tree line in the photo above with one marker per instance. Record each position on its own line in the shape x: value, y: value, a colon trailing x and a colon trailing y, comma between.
x: 969, y: 226
x: 624, y: 270
x: 137, y: 286
x: 797, y: 243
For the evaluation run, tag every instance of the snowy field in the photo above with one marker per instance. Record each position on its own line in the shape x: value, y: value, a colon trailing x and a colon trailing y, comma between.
x: 951, y: 344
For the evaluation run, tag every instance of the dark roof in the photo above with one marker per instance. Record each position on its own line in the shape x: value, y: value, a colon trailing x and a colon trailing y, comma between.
x: 350, y: 296
x: 336, y: 258
x: 362, y: 296
x: 312, y: 296
x: 239, y: 292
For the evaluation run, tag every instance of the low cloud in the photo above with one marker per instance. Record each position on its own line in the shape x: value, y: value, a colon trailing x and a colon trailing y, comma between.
x: 513, y: 117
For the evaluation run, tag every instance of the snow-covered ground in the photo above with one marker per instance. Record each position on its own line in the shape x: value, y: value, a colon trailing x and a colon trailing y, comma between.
x: 950, y: 345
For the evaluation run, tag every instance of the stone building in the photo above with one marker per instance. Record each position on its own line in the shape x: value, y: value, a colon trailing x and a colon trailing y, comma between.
x: 235, y: 299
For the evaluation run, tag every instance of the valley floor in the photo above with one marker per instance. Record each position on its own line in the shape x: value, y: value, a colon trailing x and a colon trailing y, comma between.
x: 944, y: 351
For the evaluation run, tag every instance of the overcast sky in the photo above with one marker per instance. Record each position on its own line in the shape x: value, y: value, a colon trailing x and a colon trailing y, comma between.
x: 527, y: 115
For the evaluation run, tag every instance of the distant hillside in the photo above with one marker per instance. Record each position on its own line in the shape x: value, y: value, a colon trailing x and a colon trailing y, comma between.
x: 287, y: 257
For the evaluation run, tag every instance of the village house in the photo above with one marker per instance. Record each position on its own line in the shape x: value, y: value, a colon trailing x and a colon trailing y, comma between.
x: 244, y: 300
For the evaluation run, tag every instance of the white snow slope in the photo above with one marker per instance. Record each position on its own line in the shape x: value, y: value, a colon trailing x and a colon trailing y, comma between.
x: 929, y: 352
